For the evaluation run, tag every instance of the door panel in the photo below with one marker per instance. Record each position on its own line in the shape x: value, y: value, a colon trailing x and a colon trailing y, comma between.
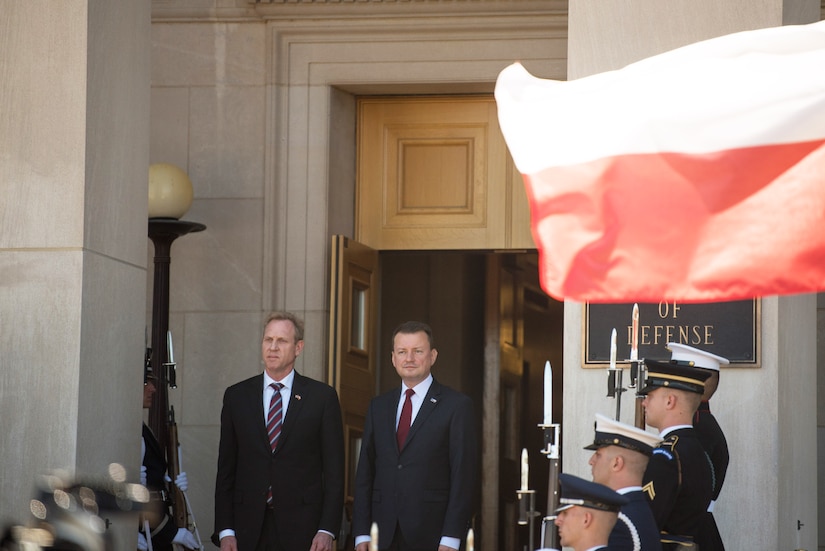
x: 511, y: 346
x: 352, y: 349
x: 435, y: 172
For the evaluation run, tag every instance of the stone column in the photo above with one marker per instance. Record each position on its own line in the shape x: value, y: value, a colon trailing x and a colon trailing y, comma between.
x: 768, y: 414
x: 74, y: 152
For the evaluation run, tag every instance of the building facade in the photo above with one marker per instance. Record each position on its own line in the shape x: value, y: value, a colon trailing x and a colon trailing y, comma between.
x: 261, y: 103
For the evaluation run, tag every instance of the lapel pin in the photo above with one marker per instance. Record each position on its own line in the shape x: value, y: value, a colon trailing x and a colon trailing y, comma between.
x: 433, y: 400
x: 297, y: 396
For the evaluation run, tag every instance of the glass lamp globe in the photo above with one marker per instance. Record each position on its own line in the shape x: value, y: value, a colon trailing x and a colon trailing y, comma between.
x: 170, y: 191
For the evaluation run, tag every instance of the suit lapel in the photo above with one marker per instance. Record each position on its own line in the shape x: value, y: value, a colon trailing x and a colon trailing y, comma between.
x: 296, y: 402
x: 388, y: 412
x: 255, y: 397
x: 428, y: 406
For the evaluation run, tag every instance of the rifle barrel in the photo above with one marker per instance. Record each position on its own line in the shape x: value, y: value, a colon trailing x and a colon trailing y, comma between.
x: 173, y: 449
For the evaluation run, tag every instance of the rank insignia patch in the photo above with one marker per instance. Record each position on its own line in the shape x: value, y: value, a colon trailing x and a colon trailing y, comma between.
x: 648, y: 489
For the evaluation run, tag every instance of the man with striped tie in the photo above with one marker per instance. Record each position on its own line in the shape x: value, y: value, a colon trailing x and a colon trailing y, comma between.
x: 280, y: 481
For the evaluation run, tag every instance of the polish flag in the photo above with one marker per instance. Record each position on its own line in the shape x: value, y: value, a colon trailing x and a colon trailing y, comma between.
x: 697, y: 175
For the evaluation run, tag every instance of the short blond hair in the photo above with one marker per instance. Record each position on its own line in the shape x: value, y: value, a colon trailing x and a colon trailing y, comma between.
x: 297, y: 322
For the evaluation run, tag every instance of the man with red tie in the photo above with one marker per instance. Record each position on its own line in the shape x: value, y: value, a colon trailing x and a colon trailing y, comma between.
x: 417, y: 476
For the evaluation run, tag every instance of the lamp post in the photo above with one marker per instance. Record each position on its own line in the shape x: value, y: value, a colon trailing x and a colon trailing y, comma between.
x: 170, y: 196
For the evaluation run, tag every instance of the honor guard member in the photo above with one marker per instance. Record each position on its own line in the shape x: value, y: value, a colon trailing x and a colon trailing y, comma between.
x: 709, y: 432
x: 678, y: 480
x: 620, y: 457
x: 153, y: 474
x: 586, y: 514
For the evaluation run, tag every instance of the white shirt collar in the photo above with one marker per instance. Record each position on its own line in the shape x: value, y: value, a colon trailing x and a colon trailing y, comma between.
x: 421, y: 388
x: 668, y: 430
x: 286, y: 381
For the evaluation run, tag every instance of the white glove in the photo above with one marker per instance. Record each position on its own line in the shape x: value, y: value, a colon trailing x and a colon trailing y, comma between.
x: 142, y: 545
x: 143, y: 475
x: 185, y: 538
x: 182, y: 482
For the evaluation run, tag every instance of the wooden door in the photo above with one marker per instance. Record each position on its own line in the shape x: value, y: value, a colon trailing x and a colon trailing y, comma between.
x: 353, y: 349
x: 511, y: 346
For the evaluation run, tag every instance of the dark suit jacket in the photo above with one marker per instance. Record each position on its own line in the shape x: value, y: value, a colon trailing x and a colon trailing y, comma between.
x: 428, y: 488
x: 306, y: 471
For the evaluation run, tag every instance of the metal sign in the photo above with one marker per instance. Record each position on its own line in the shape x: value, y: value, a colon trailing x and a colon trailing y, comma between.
x: 729, y: 329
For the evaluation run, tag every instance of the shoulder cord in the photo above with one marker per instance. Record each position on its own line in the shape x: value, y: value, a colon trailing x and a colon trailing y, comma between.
x: 634, y: 534
x: 678, y: 461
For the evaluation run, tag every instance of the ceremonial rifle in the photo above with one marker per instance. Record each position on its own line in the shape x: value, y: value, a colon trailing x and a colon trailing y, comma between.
x: 637, y: 381
x: 614, y: 377
x: 179, y: 510
x: 173, y: 452
x: 549, y: 530
x: 638, y: 374
x: 144, y: 522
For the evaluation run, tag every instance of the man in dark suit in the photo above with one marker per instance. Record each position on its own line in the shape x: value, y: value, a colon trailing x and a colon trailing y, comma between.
x: 417, y: 476
x: 709, y: 432
x: 620, y: 456
x: 280, y: 481
x: 678, y: 480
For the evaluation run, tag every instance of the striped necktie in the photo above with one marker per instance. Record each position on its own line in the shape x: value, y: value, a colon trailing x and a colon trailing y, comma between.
x: 274, y: 420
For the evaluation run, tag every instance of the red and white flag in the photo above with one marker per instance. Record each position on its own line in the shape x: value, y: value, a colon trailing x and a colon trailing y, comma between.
x: 697, y: 175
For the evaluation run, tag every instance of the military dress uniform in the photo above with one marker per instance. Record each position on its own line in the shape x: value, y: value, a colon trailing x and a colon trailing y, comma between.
x: 710, y: 436
x: 636, y: 516
x: 635, y: 528
x: 679, y: 484
x: 678, y: 480
x: 162, y: 525
x: 716, y: 446
x: 578, y: 492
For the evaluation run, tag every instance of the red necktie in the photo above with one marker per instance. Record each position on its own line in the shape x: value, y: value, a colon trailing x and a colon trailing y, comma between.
x: 404, y: 421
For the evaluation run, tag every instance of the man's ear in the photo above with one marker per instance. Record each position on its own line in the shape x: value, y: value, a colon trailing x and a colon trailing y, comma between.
x: 587, y: 518
x: 618, y: 462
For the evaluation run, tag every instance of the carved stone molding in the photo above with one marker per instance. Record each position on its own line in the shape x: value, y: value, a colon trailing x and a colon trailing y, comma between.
x: 239, y: 10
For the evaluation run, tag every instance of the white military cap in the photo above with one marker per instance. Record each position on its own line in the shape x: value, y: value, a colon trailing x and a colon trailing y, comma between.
x: 615, y: 433
x: 683, y: 354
